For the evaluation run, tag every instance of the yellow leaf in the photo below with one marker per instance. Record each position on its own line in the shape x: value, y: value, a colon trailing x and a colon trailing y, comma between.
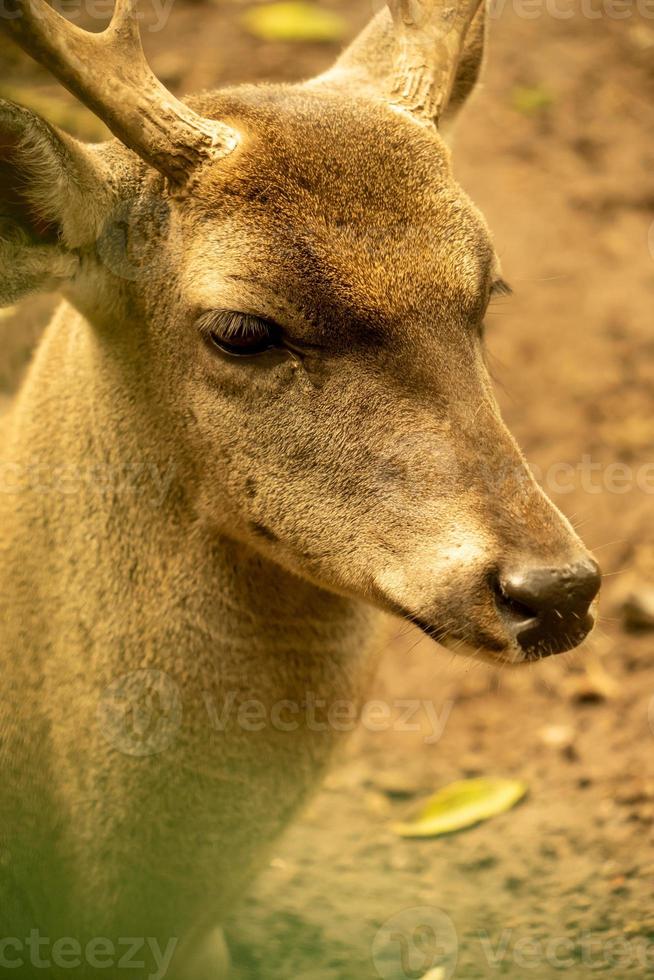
x: 463, y: 804
x: 295, y: 20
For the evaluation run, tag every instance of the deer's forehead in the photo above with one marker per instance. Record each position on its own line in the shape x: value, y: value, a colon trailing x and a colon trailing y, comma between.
x: 338, y: 288
x: 351, y: 206
x: 386, y: 264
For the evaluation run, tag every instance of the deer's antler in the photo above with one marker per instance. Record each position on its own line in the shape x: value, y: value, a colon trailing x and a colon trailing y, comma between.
x: 109, y: 73
x: 431, y: 35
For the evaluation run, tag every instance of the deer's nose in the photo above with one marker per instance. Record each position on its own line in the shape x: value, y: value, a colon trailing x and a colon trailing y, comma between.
x: 547, y: 609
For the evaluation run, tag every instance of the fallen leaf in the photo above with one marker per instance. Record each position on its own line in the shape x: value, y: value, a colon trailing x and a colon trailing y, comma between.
x: 463, y: 804
x: 531, y: 100
x: 294, y: 20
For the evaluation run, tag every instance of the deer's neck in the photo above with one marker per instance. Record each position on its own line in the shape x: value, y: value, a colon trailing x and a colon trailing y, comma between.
x: 107, y: 579
x: 105, y: 537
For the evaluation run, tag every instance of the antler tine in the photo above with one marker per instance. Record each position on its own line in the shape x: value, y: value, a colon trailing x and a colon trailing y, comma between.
x: 431, y: 35
x: 109, y: 73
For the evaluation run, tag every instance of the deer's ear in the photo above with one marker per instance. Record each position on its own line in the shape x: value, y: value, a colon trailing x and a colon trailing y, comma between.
x: 52, y: 197
x: 367, y: 66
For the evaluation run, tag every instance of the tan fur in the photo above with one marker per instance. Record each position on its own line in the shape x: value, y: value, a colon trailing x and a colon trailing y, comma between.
x: 242, y: 527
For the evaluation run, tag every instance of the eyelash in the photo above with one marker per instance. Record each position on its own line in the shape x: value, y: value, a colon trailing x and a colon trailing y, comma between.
x: 500, y: 288
x: 232, y: 324
x: 239, y: 334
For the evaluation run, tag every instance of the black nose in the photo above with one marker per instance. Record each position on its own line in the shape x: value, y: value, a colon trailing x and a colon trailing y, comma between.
x: 547, y: 608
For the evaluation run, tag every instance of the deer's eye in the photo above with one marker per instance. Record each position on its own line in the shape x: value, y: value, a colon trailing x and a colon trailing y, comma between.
x: 239, y: 334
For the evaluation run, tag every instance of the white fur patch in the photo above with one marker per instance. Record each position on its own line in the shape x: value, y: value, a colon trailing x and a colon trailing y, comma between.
x: 416, y: 583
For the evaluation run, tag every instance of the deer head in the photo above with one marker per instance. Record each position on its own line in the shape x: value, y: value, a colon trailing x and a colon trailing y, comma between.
x: 297, y: 275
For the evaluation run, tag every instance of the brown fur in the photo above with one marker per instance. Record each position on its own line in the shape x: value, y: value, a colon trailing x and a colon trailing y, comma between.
x: 276, y: 510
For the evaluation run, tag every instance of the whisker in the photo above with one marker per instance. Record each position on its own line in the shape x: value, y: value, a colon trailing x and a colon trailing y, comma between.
x: 608, y: 544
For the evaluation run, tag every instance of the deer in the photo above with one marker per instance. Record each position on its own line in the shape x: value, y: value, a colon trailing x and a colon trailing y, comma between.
x: 257, y: 433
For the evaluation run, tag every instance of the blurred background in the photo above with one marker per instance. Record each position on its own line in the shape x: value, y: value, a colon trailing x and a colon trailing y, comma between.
x: 557, y: 148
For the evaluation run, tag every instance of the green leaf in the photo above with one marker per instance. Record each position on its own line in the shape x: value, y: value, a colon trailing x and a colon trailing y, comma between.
x: 530, y: 101
x: 463, y: 804
x: 294, y: 21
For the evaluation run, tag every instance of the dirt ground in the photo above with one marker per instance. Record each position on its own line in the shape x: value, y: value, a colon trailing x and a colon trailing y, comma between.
x: 558, y: 150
